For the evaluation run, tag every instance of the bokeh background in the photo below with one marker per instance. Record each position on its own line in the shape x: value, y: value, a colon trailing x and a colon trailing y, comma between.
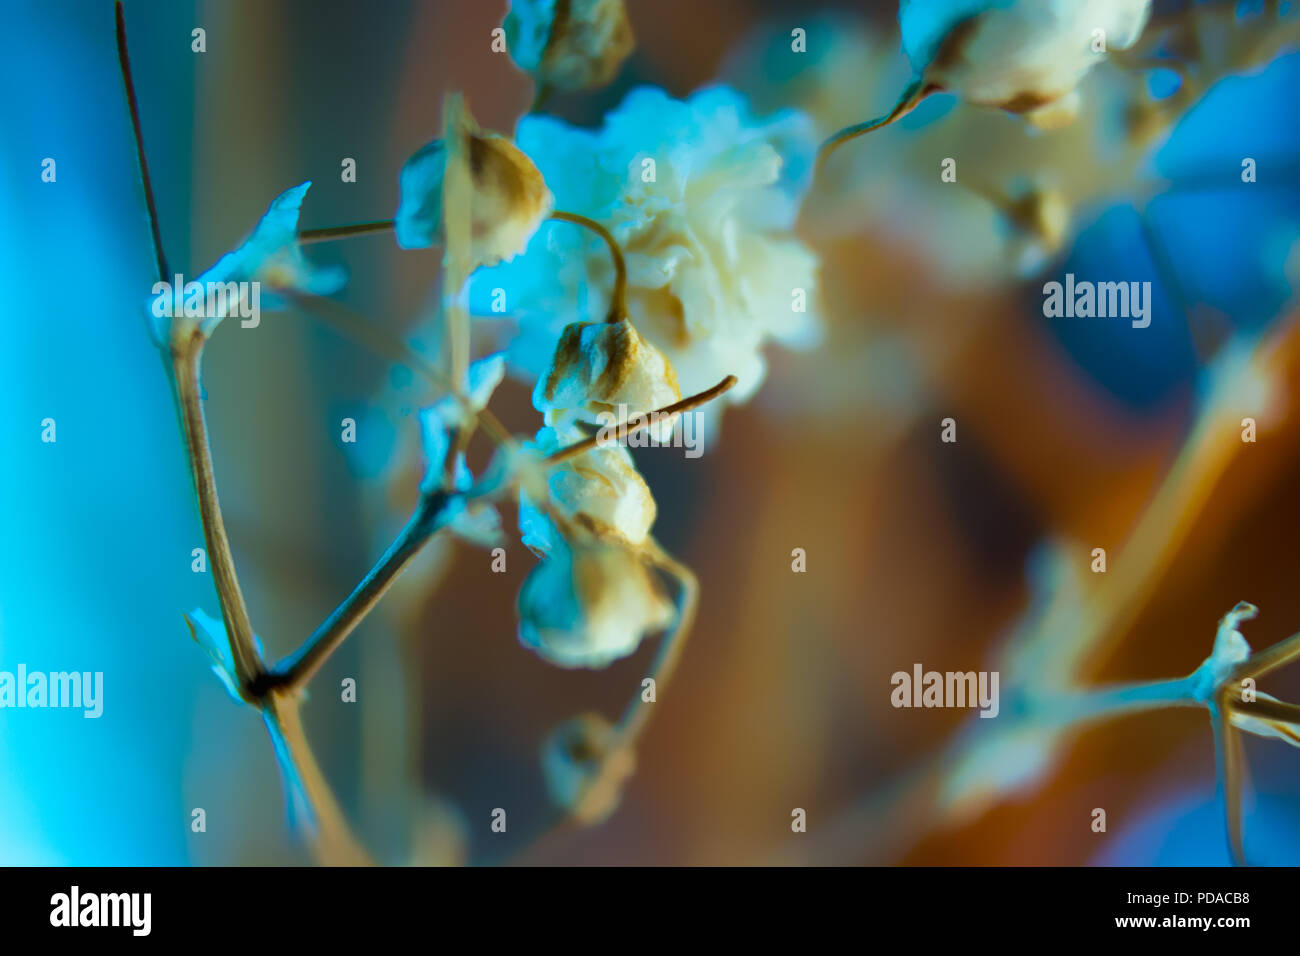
x: 917, y: 550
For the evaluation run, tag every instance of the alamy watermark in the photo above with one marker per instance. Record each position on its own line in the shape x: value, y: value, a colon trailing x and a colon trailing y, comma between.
x: 922, y: 688
x: 61, y: 689
x: 1103, y: 300
x: 687, y: 430
x: 74, y: 908
x: 210, y: 300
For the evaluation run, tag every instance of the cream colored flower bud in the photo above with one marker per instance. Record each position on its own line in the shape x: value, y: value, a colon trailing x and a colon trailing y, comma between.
x: 602, y: 492
x: 1022, y: 56
x: 583, y: 777
x: 573, y: 45
x: 605, y: 373
x: 590, y: 603
x: 508, y: 196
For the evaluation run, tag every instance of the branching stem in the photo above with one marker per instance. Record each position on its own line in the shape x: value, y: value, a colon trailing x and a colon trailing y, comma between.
x: 294, y: 672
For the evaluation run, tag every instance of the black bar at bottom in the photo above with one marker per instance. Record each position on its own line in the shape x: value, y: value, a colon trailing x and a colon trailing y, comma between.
x: 259, y: 906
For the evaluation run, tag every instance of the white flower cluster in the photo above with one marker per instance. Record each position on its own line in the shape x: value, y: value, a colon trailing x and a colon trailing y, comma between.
x: 701, y: 197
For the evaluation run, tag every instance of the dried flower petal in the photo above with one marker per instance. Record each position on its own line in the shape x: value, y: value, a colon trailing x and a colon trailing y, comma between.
x: 448, y: 414
x: 590, y: 603
x: 270, y: 256
x: 599, y: 493
x: 508, y: 202
x: 605, y: 373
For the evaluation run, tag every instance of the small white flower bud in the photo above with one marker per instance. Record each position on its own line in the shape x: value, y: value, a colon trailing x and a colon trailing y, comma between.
x: 574, y: 45
x: 590, y: 603
x: 509, y: 200
x: 582, y: 776
x: 604, y: 373
x: 1022, y: 56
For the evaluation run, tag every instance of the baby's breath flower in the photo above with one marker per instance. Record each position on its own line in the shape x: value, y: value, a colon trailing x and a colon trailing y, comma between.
x: 702, y: 199
x: 582, y: 776
x: 598, y: 493
x: 569, y: 44
x: 590, y: 602
x: 272, y: 257
x: 508, y: 200
x: 1022, y: 56
x: 604, y: 372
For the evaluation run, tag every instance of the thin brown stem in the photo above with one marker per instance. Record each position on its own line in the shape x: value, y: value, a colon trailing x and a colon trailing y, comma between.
x: 297, y: 670
x: 640, y: 422
x: 187, y: 356
x: 328, y: 233
x: 637, y: 712
x: 618, y: 301
x: 142, y: 161
x: 1267, y: 708
x: 918, y: 90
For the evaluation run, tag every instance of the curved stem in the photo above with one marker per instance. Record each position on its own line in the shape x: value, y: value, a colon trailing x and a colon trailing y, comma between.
x: 618, y: 301
x: 640, y: 422
x: 916, y: 91
x: 186, y: 358
x: 344, y: 232
x: 637, y: 712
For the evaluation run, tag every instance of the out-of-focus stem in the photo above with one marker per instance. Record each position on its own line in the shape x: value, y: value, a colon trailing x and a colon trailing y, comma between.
x: 1227, y: 749
x: 356, y: 326
x: 332, y: 840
